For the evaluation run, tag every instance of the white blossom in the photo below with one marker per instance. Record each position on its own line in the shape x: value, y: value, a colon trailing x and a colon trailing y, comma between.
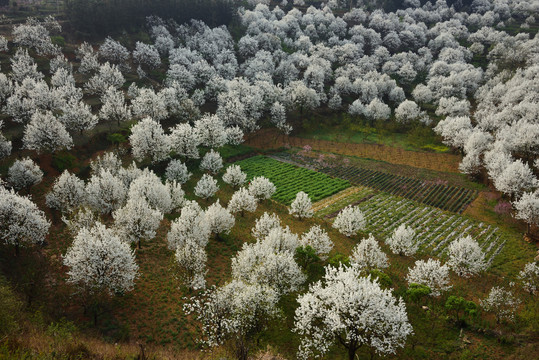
x: 319, y: 240
x: 191, y: 225
x: 377, y: 110
x: 261, y: 188
x: 466, y: 257
x: 211, y: 131
x: 145, y: 54
x: 88, y: 58
x: 136, y: 221
x: 430, y: 273
x: 516, y: 178
x: 150, y: 187
x: 299, y: 96
x: 212, y: 162
x: 206, y: 187
x: 176, y: 170
x: 176, y: 194
x: 530, y: 277
x: 242, y: 201
x: 233, y: 311
x: 22, y: 223
x: 351, y: 310
x: 408, y: 111
x: 234, y: 176
x: 260, y: 263
x: 302, y: 206
x: 185, y: 140
x: 111, y: 50
x: 108, y: 76
x: 77, y: 116
x: 264, y: 224
x: 99, y: 261
x: 105, y: 192
x: 234, y: 135
x: 67, y: 193
x: 81, y: 217
x: 148, y: 103
x: 106, y: 161
x: 60, y: 62
x: 46, y: 133
x: 148, y: 140
x: 35, y: 34
x: 219, y: 219
x: 114, y: 107
x: 191, y: 261
x: 23, y: 66
x: 24, y: 173
x: 282, y: 239
x: 502, y: 303
x: 349, y: 221
x: 403, y: 241
x: 5, y: 144
x: 368, y: 255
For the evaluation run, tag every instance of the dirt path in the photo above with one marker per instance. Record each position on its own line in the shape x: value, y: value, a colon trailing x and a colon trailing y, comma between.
x: 270, y: 139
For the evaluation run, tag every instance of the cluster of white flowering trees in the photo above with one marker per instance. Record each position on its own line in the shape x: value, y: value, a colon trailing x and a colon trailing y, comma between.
x: 371, y: 59
x: 374, y: 65
x: 22, y: 223
x: 329, y: 58
x: 100, y: 259
x: 351, y: 310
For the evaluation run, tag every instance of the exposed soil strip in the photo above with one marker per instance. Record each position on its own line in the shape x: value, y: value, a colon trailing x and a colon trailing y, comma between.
x: 335, y: 213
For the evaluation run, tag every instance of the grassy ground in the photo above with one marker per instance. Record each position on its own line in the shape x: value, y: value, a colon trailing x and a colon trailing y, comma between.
x: 372, y: 135
x: 343, y: 128
x: 152, y: 314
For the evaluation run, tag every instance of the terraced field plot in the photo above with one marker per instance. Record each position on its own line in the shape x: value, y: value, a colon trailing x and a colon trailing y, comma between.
x: 442, y: 196
x: 329, y: 207
x: 437, y: 194
x: 290, y: 179
x: 435, y: 228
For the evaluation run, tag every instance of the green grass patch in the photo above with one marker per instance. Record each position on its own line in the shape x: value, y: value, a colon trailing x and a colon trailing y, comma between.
x: 231, y: 151
x: 342, y: 128
x: 290, y: 179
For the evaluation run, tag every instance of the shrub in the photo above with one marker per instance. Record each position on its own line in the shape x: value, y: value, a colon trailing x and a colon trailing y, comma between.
x: 338, y: 259
x: 116, y: 138
x: 63, y: 161
x: 10, y: 308
x: 58, y: 40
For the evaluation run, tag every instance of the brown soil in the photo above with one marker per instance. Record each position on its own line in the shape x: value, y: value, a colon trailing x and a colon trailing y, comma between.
x: 271, y: 139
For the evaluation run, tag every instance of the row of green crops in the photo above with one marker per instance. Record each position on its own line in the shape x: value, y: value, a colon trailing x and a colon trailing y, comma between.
x: 442, y: 196
x: 290, y: 179
x: 435, y: 228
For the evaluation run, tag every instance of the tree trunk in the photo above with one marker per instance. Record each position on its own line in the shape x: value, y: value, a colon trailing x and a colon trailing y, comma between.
x: 139, y: 244
x: 242, y: 350
x: 352, y: 352
x: 17, y: 250
x: 142, y: 355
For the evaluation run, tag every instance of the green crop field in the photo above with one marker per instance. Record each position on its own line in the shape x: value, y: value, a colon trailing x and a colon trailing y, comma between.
x: 290, y: 179
x: 435, y: 228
